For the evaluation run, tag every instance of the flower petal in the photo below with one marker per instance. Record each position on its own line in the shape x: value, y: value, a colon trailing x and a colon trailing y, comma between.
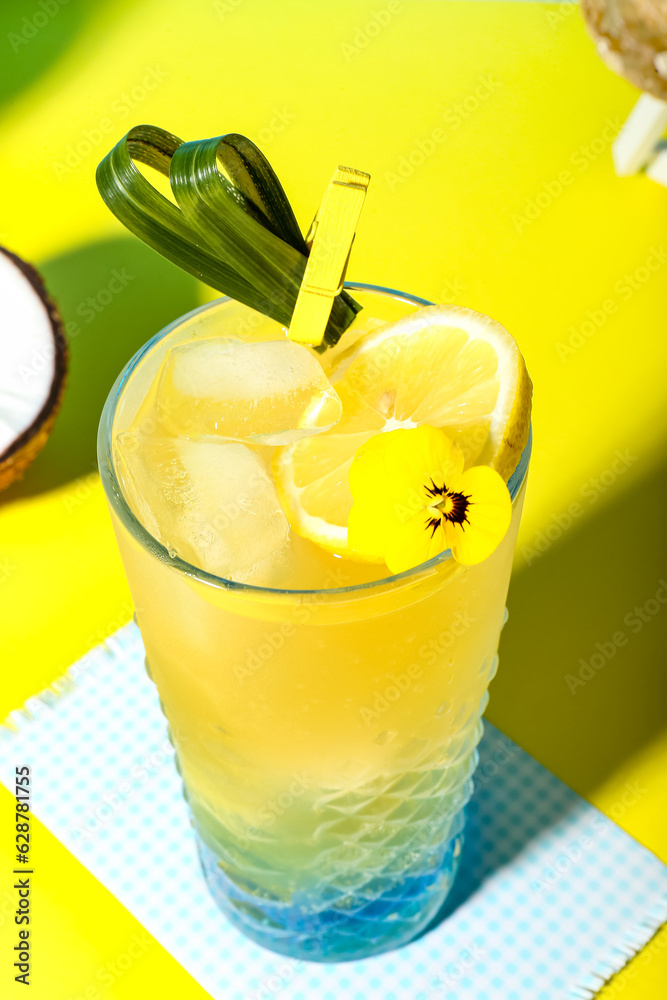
x: 489, y: 515
x: 413, y: 543
x: 389, y: 480
x: 400, y: 462
x: 430, y: 454
x: 367, y: 531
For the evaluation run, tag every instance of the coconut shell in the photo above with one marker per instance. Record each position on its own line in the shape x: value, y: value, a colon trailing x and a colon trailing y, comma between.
x: 631, y: 37
x: 23, y: 449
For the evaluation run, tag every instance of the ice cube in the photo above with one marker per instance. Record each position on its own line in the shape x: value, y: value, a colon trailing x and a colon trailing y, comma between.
x: 139, y: 462
x: 210, y: 502
x: 273, y: 392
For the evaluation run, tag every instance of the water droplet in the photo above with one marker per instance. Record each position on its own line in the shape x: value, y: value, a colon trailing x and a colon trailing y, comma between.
x: 506, y: 615
x: 441, y: 709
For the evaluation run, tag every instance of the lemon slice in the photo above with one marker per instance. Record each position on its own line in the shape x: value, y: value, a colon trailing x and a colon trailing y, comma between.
x: 442, y: 365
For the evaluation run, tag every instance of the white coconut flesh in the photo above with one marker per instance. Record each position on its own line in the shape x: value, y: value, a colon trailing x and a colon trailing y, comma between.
x: 30, y: 353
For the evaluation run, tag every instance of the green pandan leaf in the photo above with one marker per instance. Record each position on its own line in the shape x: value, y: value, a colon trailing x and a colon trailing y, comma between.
x: 252, y: 175
x: 235, y: 231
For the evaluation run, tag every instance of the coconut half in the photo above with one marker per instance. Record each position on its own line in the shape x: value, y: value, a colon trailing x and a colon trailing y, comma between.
x: 631, y: 37
x: 33, y: 361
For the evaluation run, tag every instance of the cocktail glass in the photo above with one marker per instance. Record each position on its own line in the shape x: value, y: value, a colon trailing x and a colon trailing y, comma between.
x: 326, y: 738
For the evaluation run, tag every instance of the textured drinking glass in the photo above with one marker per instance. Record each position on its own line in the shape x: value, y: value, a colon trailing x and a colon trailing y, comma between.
x: 326, y: 739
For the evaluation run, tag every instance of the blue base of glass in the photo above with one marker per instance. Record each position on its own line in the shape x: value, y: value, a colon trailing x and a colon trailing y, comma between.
x: 385, y: 913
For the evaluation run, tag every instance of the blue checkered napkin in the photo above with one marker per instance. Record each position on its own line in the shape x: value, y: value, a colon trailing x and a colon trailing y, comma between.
x: 552, y: 898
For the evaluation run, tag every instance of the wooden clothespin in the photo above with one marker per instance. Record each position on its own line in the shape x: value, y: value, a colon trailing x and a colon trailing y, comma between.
x: 637, y: 142
x: 330, y: 239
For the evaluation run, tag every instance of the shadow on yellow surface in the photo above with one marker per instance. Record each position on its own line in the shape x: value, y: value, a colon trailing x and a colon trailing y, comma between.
x: 28, y: 50
x: 580, y: 683
x: 113, y: 296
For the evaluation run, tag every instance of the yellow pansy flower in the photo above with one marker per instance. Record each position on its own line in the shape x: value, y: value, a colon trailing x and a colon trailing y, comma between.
x: 412, y: 500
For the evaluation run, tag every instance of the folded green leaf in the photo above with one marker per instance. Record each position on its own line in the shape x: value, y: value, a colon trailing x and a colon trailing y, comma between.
x: 252, y: 175
x: 237, y: 233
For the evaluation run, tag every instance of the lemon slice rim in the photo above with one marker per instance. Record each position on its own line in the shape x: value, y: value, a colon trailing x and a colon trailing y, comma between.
x: 510, y: 419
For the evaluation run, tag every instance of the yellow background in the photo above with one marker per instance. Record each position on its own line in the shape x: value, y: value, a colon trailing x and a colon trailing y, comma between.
x: 486, y: 128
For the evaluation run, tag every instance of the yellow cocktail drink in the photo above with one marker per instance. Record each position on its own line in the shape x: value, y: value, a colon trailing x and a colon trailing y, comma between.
x: 324, y: 712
